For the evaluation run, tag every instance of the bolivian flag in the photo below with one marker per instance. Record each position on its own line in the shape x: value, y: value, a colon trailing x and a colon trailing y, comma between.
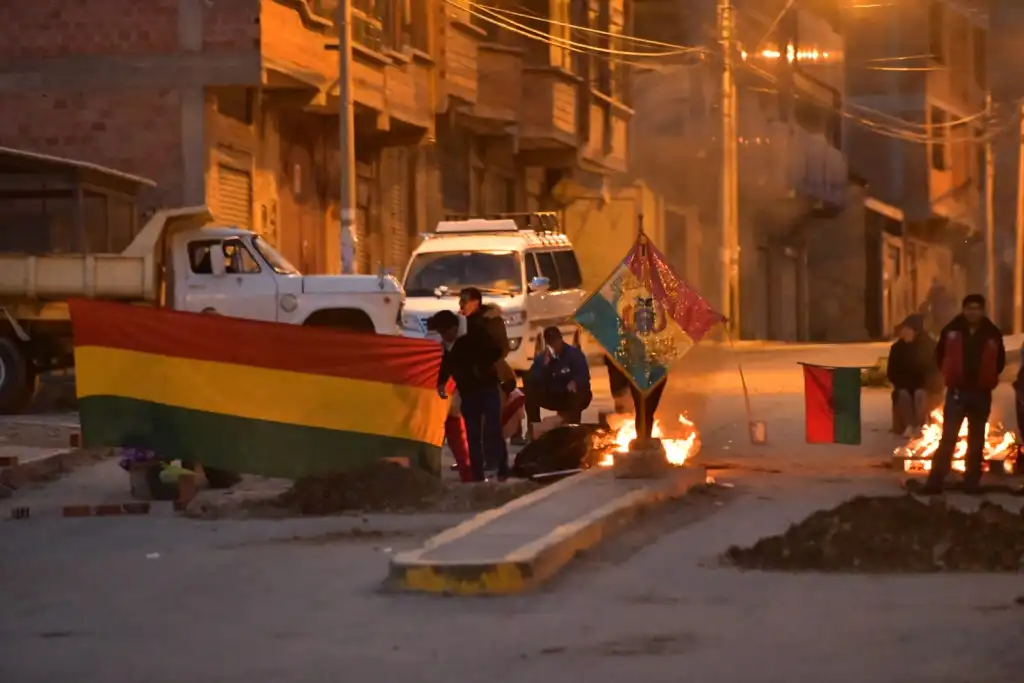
x: 251, y: 397
x: 832, y: 402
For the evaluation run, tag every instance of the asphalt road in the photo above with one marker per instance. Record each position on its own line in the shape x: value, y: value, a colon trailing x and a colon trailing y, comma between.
x: 162, y: 599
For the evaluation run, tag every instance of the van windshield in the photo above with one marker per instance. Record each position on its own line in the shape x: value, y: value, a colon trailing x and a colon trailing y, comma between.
x: 448, y: 272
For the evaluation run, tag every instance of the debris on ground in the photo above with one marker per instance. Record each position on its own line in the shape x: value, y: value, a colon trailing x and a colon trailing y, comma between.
x: 893, y: 535
x: 564, y: 448
x: 390, y: 487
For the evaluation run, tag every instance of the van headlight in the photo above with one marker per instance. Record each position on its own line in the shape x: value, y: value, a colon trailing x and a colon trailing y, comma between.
x: 513, y: 318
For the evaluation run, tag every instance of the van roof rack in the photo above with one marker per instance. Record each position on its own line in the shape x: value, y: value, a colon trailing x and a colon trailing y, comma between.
x: 538, y: 221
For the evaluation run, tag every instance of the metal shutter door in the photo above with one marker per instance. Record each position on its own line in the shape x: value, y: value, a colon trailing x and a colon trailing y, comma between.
x: 234, y: 196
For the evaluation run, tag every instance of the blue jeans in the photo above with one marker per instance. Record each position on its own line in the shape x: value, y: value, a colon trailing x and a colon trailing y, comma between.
x: 973, y: 405
x: 481, y: 410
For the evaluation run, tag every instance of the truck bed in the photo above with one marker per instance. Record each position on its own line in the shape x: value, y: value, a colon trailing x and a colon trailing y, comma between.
x: 53, y: 277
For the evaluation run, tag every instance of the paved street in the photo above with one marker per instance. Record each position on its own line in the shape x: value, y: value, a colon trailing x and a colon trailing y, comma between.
x: 162, y: 599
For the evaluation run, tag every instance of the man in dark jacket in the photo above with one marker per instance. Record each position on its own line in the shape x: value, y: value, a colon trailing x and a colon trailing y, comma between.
x: 913, y: 373
x: 559, y: 380
x: 470, y: 361
x: 471, y: 305
x: 971, y: 356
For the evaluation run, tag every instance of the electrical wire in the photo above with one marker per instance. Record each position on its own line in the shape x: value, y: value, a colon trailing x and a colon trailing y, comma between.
x: 488, y: 14
x: 583, y: 29
x: 910, y: 131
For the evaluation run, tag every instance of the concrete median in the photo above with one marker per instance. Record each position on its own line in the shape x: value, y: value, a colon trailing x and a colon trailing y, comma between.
x: 517, y: 547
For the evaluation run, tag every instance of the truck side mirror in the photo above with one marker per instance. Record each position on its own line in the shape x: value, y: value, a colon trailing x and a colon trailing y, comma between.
x: 217, y: 260
x: 540, y: 284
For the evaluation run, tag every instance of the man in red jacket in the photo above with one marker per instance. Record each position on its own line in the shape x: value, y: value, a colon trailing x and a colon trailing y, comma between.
x: 971, y: 355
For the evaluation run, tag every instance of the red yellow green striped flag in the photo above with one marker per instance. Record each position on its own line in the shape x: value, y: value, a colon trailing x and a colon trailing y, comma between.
x: 251, y: 397
x: 832, y: 403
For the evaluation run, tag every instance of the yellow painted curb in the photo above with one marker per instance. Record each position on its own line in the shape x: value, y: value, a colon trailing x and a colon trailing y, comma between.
x: 530, y: 565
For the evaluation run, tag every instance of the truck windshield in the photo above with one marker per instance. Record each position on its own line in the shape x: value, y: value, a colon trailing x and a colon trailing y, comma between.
x: 448, y: 272
x: 273, y: 257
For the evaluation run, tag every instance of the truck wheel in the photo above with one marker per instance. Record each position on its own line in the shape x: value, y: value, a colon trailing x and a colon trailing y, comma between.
x: 350, y: 320
x: 17, y: 378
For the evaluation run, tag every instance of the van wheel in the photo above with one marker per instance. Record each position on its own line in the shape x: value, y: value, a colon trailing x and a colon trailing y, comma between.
x: 18, y: 378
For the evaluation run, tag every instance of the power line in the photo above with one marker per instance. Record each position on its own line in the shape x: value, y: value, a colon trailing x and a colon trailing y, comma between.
x: 910, y: 131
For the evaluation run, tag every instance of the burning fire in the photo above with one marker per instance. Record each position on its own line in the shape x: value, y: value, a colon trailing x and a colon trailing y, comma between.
x: 677, y: 450
x: 918, y: 453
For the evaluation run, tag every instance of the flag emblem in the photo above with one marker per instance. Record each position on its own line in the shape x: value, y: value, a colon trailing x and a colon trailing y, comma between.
x: 645, y: 316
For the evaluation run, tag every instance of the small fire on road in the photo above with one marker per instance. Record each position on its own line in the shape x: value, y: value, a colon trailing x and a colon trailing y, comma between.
x: 918, y: 453
x: 677, y: 450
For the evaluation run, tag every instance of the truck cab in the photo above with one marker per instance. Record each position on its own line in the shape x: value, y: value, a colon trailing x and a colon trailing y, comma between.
x: 233, y: 272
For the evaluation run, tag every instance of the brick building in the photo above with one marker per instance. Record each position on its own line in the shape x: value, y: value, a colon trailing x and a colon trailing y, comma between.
x: 234, y: 103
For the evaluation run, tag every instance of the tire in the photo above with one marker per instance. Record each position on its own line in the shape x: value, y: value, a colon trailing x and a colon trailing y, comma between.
x: 18, y: 378
x: 349, y: 320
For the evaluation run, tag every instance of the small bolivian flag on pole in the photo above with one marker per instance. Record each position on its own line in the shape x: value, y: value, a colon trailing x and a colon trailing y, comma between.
x: 832, y: 404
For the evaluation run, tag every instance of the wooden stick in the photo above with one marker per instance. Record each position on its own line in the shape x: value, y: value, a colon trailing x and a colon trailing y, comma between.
x: 743, y: 382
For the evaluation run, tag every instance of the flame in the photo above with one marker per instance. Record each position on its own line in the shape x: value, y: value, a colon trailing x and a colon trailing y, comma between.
x: 677, y: 451
x: 918, y: 453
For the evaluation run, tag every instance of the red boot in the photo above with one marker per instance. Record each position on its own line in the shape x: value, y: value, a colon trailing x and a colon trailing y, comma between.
x: 455, y: 433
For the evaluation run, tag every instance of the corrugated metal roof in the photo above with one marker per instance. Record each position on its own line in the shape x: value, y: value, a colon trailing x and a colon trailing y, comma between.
x: 11, y: 153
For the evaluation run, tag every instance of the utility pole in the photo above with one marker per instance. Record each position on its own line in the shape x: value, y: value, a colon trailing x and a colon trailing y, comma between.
x: 1018, y: 262
x: 730, y: 191
x: 346, y: 139
x: 990, y: 215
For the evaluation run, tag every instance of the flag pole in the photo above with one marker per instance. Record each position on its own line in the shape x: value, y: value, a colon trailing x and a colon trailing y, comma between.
x: 641, y: 420
x: 743, y: 380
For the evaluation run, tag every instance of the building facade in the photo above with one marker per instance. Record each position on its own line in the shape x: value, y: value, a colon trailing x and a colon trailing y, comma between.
x: 922, y: 61
x: 796, y: 211
x: 234, y: 103
x: 1006, y: 83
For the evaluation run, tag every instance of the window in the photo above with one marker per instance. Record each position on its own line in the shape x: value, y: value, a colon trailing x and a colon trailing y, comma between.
x: 938, y: 143
x: 531, y: 268
x: 510, y: 194
x: 568, y: 270
x: 546, y: 264
x: 561, y: 57
x: 278, y: 263
x: 936, y: 30
x: 237, y: 259
x: 237, y: 103
x: 493, y: 272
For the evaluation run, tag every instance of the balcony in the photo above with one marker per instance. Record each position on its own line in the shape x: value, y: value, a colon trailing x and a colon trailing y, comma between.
x: 499, y: 97
x: 547, y: 113
x: 391, y: 78
x: 461, y: 76
x: 792, y: 162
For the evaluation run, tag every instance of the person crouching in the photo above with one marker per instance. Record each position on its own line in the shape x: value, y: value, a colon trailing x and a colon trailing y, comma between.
x: 559, y: 380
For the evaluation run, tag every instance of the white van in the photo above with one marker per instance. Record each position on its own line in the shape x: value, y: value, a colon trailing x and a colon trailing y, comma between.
x: 532, y: 275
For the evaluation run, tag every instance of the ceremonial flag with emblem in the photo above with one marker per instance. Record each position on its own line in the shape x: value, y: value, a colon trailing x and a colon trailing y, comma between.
x: 645, y: 316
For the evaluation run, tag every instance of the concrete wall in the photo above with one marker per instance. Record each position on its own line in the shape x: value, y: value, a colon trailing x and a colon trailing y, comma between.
x: 836, y: 273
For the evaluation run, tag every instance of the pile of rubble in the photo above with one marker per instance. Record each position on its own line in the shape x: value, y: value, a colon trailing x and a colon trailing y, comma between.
x: 893, y: 534
x: 389, y: 487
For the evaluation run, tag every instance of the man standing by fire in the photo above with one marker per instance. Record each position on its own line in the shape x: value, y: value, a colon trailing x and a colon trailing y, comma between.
x: 971, y: 355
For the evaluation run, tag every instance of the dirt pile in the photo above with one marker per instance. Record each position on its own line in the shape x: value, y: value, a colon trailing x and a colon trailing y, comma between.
x: 389, y: 487
x: 892, y: 535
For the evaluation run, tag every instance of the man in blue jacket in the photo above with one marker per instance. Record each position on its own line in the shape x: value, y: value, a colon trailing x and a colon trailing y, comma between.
x: 559, y: 380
